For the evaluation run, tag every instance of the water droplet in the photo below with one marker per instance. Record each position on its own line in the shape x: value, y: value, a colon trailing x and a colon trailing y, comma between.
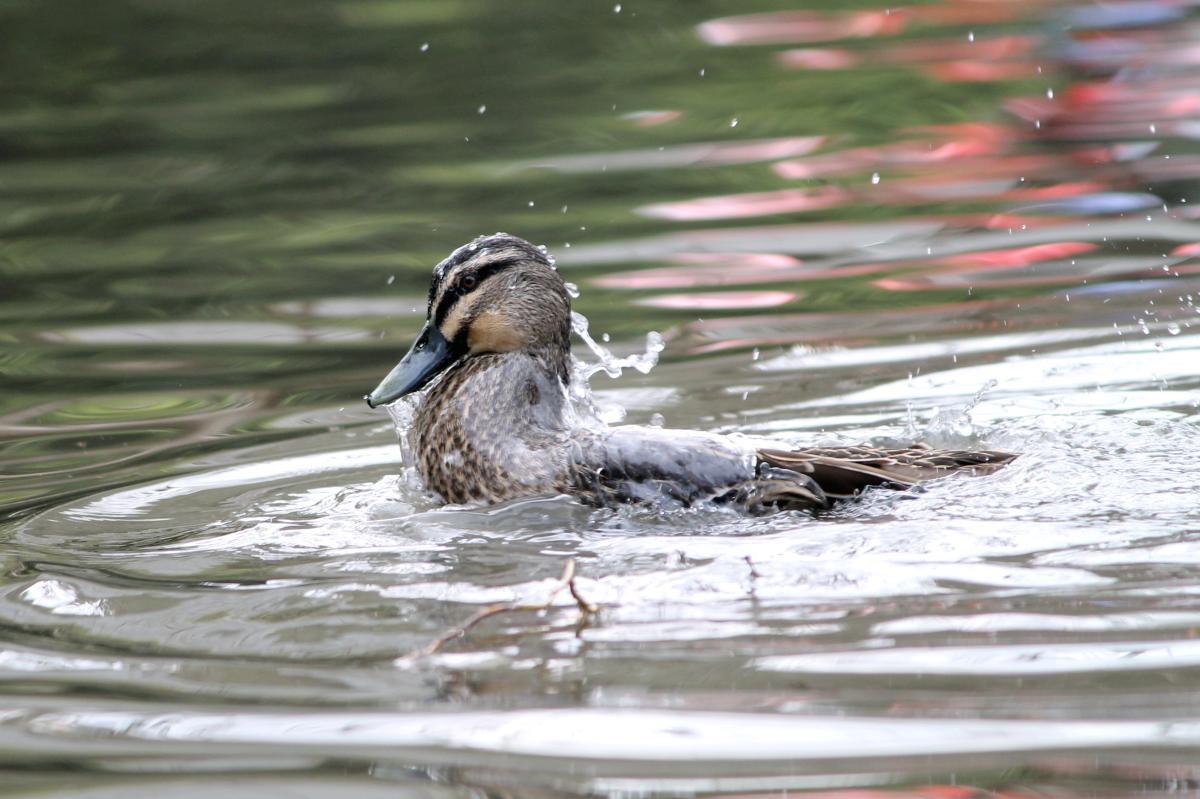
x: 1173, y: 328
x: 733, y: 123
x: 605, y: 338
x: 391, y: 279
x: 755, y: 354
x: 572, y: 290
x: 1158, y: 345
x: 425, y: 47
x: 563, y: 209
x: 971, y: 36
x: 702, y: 72
x: 483, y: 109
x: 1153, y: 128
x: 657, y: 420
x: 617, y: 8
x: 1050, y: 94
x: 531, y: 203
x: 875, y: 179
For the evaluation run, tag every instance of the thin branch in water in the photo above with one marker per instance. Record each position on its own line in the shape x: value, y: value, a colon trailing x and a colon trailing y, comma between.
x: 565, y: 581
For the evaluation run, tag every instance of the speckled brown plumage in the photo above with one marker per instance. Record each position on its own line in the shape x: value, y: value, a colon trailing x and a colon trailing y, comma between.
x: 498, y: 424
x: 491, y: 430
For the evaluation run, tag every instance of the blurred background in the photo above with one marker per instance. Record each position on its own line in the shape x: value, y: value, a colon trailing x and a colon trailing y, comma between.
x: 971, y: 222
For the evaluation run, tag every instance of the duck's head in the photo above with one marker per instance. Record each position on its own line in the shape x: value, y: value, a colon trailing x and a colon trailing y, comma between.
x: 496, y: 294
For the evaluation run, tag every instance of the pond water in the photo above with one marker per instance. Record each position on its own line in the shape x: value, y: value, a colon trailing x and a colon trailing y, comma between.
x: 969, y: 223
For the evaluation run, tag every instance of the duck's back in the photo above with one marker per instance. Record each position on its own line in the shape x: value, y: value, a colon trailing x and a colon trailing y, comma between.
x: 644, y: 464
x: 632, y: 463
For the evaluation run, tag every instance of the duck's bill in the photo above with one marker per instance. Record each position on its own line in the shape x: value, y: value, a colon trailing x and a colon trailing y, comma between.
x: 429, y: 356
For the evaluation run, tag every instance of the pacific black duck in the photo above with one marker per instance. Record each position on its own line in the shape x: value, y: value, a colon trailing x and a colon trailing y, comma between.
x: 499, y: 423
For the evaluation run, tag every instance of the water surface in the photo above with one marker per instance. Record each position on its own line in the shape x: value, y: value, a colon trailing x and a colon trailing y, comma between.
x: 967, y: 223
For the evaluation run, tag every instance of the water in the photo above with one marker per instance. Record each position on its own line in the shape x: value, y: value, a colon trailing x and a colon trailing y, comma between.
x: 969, y: 223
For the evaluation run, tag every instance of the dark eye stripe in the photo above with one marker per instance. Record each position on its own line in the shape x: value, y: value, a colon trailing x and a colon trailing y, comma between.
x: 451, y: 296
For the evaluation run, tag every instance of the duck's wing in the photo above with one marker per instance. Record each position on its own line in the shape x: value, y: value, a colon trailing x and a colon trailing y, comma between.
x: 631, y: 463
x: 844, y: 472
x: 647, y: 464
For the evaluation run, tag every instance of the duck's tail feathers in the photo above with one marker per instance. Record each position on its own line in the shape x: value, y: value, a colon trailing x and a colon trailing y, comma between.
x: 842, y: 473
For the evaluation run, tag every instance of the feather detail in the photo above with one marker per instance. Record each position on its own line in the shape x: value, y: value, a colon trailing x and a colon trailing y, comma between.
x: 844, y: 472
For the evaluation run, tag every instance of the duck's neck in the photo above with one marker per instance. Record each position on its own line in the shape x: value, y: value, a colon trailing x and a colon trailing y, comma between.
x: 502, y: 394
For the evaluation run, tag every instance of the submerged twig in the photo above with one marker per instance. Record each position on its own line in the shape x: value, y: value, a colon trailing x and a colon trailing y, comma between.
x: 565, y: 581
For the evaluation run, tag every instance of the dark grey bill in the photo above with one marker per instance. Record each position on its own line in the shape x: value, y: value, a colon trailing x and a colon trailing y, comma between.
x: 429, y: 356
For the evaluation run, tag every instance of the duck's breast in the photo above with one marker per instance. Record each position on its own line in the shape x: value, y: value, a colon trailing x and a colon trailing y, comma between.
x: 490, y: 431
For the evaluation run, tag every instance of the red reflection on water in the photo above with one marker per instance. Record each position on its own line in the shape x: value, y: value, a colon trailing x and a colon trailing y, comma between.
x: 930, y: 188
x: 721, y: 300
x: 973, y: 268
x: 801, y: 26
x: 1020, y: 256
x: 949, y: 143
x: 707, y: 269
x: 819, y: 58
x: 735, y: 206
x: 964, y: 71
x: 786, y: 27
x: 992, y: 48
x: 1074, y: 154
x: 951, y: 60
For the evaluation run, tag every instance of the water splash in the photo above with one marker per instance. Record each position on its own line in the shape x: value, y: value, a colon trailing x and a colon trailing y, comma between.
x: 587, y: 409
x: 401, y: 412
x: 953, y: 426
x: 610, y: 364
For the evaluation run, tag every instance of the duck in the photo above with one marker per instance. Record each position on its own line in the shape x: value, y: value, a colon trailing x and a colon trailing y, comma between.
x: 496, y: 421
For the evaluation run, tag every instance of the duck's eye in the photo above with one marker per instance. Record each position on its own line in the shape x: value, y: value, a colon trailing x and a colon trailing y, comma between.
x: 468, y: 283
